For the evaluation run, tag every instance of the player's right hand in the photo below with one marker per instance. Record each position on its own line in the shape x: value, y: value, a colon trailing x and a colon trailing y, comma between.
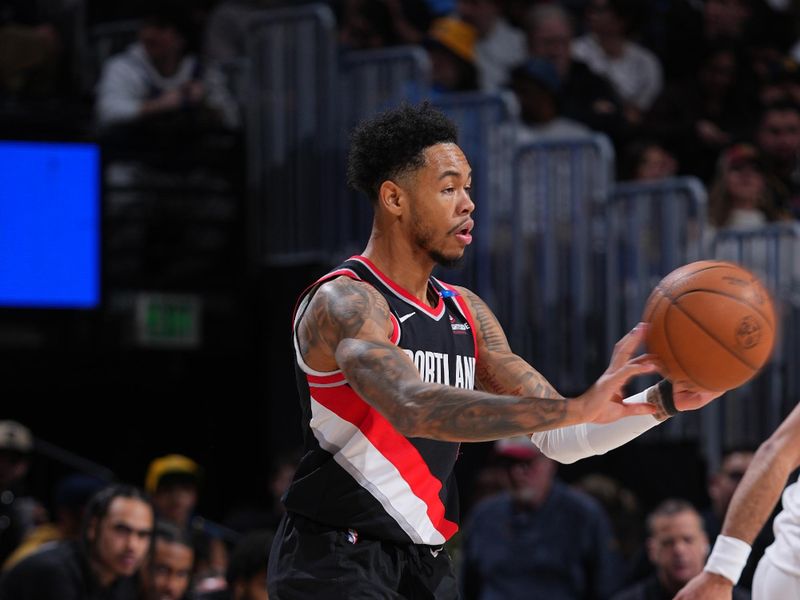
x: 687, y: 396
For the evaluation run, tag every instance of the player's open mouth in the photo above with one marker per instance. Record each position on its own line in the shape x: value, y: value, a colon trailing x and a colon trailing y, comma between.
x: 465, y: 233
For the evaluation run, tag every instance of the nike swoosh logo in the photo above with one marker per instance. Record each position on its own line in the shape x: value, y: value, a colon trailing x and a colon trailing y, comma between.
x: 408, y: 316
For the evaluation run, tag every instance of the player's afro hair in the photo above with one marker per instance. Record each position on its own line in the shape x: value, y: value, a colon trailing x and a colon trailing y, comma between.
x: 392, y: 143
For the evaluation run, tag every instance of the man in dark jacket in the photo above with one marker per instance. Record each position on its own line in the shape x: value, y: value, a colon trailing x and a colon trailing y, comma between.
x: 100, y: 566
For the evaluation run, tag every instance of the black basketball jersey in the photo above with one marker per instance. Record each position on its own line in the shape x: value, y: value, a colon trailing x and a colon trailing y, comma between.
x: 358, y: 472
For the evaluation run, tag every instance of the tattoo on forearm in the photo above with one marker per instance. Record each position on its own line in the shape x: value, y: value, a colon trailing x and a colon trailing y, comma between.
x: 448, y: 413
x: 513, y: 368
x: 385, y: 378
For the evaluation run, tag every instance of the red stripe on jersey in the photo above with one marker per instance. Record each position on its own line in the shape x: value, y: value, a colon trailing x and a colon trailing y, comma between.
x: 394, y: 447
x: 395, y: 337
x: 337, y: 377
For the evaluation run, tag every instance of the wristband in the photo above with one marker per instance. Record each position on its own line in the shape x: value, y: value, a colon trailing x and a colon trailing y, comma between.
x: 728, y: 558
x: 665, y: 389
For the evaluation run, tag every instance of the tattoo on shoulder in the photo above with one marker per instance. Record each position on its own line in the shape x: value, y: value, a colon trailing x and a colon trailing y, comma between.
x: 340, y: 309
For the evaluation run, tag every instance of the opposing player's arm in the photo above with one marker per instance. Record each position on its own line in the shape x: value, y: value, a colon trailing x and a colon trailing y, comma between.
x: 751, y: 505
x: 347, y: 325
x: 757, y: 494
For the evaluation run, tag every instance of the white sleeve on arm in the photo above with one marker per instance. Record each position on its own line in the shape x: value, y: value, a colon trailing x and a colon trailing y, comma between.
x: 570, y: 444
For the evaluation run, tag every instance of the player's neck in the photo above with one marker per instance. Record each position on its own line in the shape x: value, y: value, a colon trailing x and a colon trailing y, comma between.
x: 410, y: 270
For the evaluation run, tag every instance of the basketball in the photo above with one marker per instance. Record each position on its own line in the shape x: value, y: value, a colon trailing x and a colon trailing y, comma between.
x: 712, y: 323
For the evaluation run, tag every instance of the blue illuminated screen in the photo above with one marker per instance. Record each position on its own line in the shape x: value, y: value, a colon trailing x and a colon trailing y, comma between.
x: 49, y: 225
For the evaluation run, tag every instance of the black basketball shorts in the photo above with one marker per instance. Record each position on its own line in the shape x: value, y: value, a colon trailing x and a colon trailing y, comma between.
x: 310, y: 561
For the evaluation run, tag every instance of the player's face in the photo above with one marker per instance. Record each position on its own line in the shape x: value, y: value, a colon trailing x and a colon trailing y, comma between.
x: 678, y: 547
x: 440, y: 213
x: 167, y: 574
x: 120, y: 540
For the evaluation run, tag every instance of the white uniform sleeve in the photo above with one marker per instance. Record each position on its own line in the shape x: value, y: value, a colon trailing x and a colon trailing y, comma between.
x: 570, y: 444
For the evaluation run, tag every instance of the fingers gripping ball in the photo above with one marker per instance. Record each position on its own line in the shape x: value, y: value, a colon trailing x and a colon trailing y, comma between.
x: 712, y: 323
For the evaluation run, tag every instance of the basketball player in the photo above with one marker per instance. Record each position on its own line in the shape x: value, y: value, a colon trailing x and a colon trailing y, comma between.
x: 778, y: 572
x: 389, y: 361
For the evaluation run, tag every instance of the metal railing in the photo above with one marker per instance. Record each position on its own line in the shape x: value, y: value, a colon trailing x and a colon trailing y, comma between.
x: 653, y: 228
x: 290, y: 107
x: 560, y: 194
x: 751, y: 412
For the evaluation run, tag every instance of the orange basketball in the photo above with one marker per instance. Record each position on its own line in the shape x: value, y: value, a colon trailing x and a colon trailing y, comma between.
x: 712, y: 323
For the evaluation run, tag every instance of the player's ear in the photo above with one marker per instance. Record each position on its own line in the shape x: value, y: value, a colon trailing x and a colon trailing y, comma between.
x: 390, y: 197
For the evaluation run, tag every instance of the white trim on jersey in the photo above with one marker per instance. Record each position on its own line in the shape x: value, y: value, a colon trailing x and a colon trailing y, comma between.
x: 358, y: 456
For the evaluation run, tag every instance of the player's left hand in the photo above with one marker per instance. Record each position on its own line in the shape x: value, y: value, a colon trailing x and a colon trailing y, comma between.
x: 687, y: 396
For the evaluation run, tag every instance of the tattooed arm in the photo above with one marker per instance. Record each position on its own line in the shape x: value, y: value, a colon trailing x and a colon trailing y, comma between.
x: 756, y: 496
x: 347, y: 326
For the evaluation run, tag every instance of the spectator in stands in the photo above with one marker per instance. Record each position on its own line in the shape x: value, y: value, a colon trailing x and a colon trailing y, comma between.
x: 583, y: 95
x: 721, y: 486
x: 102, y: 564
x: 19, y: 512
x: 246, y: 578
x: 777, y: 137
x: 167, y: 572
x: 647, y: 160
x: 739, y: 197
x: 72, y: 494
x: 610, y: 50
x: 161, y: 81
x: 500, y: 46
x: 535, y: 83
x: 173, y: 481
x: 450, y: 44
x: 678, y: 546
x: 697, y: 117
x: 543, y: 539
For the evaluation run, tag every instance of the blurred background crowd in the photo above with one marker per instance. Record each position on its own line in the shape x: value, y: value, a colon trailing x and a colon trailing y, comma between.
x: 177, y: 383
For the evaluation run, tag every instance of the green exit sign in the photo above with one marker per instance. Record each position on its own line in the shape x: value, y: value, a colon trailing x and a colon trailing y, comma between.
x: 168, y: 320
